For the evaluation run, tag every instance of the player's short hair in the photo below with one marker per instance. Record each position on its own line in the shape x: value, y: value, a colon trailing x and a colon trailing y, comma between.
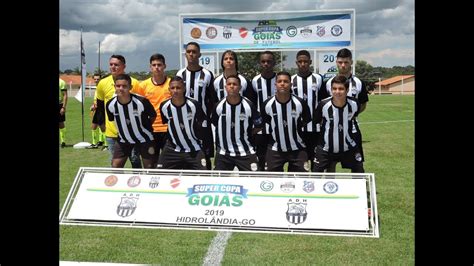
x: 303, y: 52
x: 124, y: 77
x: 283, y: 73
x: 233, y: 76
x: 177, y: 78
x: 158, y: 57
x: 344, y: 52
x: 195, y: 44
x: 119, y: 57
x: 268, y: 52
x: 340, y: 79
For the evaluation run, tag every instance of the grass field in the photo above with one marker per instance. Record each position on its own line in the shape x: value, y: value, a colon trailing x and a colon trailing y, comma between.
x: 387, y: 126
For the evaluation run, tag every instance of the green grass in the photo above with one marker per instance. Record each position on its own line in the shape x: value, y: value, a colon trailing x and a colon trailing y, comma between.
x: 389, y: 153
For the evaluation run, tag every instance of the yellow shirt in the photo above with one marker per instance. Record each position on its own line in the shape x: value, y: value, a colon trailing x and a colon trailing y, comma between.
x: 156, y: 94
x: 62, y: 87
x: 105, y: 92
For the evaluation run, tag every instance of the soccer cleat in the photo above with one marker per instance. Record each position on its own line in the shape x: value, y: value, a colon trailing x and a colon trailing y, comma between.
x: 92, y: 146
x: 105, y: 148
x: 63, y: 144
x: 100, y: 143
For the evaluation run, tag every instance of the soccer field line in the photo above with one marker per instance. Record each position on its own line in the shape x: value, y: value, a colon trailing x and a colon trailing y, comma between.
x: 216, y: 250
x: 384, y: 122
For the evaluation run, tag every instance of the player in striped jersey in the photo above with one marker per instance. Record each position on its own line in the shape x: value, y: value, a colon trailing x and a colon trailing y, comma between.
x: 263, y: 86
x: 156, y: 90
x: 187, y: 127
x: 199, y: 86
x: 340, y: 134
x: 230, y: 66
x: 287, y: 115
x: 133, y: 116
x: 357, y: 88
x: 307, y: 86
x: 236, y: 120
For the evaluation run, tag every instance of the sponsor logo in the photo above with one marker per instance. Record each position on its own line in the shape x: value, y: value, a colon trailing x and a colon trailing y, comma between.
x: 227, y: 32
x: 224, y: 195
x: 332, y: 69
x: 127, y: 205
x: 203, y: 162
x: 267, y: 33
x: 308, y: 186
x: 330, y: 187
x: 196, y: 33
x: 320, y: 31
x: 296, y: 213
x: 175, y: 182
x: 291, y: 31
x: 287, y: 186
x: 154, y: 181
x: 151, y: 150
x: 358, y: 157
x: 306, y: 32
x: 243, y: 32
x: 336, y: 30
x: 266, y: 185
x: 134, y: 181
x: 211, y: 32
x: 111, y: 180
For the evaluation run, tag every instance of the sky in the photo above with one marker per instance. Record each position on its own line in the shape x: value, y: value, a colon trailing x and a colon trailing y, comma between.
x: 385, y: 29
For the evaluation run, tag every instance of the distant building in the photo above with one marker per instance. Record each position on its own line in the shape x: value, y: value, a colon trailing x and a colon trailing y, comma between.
x: 404, y: 84
x: 73, y: 83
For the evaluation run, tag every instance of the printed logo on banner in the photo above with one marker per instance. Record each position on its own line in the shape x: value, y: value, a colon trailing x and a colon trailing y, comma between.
x: 332, y: 69
x: 291, y: 31
x: 211, y: 32
x: 296, y: 213
x: 154, y: 181
x: 336, y: 30
x: 111, y: 180
x: 127, y: 205
x: 220, y: 195
x: 266, y: 185
x: 227, y: 32
x: 243, y: 32
x: 287, y: 186
x: 175, y: 182
x: 308, y: 186
x: 267, y: 33
x: 134, y: 181
x: 330, y: 187
x: 196, y: 33
x: 320, y: 30
x: 306, y: 32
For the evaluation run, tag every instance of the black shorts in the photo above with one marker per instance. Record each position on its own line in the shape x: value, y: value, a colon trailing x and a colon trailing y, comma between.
x: 243, y: 163
x: 98, y: 118
x: 170, y: 159
x: 62, y: 118
x: 297, y: 160
x: 351, y: 159
x: 124, y: 150
x: 310, y: 139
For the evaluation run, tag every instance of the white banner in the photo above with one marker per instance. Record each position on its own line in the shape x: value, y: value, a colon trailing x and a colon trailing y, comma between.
x: 263, y: 202
x: 295, y: 31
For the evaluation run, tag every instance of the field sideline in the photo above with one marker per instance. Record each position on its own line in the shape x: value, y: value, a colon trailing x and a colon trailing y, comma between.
x: 387, y: 127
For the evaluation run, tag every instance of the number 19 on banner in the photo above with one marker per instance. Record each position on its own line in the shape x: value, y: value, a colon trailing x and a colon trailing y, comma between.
x: 208, y: 62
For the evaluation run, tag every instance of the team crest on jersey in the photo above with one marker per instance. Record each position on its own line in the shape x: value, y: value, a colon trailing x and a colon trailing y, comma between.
x: 201, y: 83
x: 308, y: 186
x: 190, y: 116
x: 296, y: 212
x: 242, y: 116
x: 294, y: 114
x: 336, y: 30
x: 154, y: 182
x: 135, y: 112
x: 181, y: 125
x: 127, y: 205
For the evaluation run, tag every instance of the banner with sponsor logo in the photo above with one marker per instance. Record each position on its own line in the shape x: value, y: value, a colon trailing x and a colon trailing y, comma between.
x: 224, y: 200
x: 284, y: 30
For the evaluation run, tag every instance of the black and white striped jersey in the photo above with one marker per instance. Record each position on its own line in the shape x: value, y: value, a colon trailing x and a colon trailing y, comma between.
x: 263, y: 89
x: 357, y: 89
x: 309, y: 89
x: 219, y: 86
x: 339, y: 129
x: 199, y: 86
x: 187, y: 124
x: 132, y: 120
x: 234, y: 124
x: 286, y: 121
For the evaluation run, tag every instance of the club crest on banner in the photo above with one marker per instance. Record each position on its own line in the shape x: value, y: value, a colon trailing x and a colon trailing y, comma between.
x: 296, y: 213
x: 127, y: 205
